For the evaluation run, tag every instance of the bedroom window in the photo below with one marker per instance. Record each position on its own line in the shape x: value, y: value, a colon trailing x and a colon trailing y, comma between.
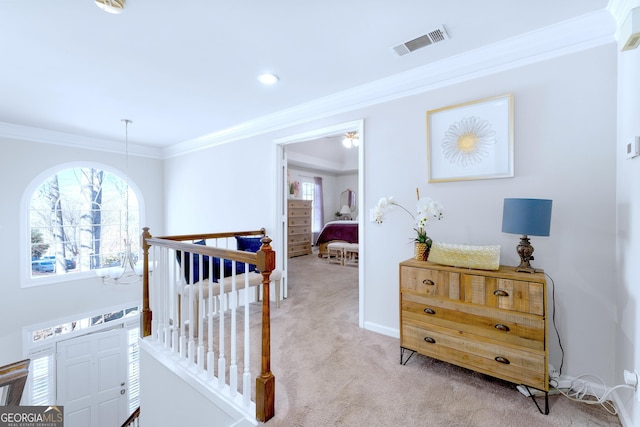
x: 308, y: 189
x: 78, y: 220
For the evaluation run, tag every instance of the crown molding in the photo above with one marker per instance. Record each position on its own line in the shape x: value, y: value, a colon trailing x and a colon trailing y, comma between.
x: 620, y: 9
x: 573, y: 35
x: 32, y: 134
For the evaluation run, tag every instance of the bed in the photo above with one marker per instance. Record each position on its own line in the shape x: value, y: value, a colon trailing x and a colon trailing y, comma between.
x: 336, y: 231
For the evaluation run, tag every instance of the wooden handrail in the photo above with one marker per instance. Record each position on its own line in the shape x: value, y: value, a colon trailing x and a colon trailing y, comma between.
x: 222, y: 235
x: 132, y: 418
x: 14, y: 377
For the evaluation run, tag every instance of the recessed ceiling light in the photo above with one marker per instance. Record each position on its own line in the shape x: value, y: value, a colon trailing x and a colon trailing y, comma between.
x: 268, y: 79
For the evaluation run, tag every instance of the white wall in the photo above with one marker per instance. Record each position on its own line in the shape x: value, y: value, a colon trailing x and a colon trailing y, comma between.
x: 21, y: 162
x: 627, y: 279
x: 565, y: 128
x: 181, y: 400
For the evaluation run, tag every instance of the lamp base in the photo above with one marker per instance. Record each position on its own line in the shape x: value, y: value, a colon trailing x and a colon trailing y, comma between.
x: 525, y: 269
x: 525, y: 250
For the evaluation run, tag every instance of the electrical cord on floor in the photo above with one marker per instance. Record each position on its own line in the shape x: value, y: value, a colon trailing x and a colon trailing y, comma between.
x: 581, y: 391
x: 553, y: 320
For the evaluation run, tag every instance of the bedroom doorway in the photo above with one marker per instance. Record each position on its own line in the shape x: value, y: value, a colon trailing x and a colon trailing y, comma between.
x: 312, y: 154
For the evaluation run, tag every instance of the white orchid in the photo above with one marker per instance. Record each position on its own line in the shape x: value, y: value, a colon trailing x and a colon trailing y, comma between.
x: 428, y: 210
x: 384, y: 204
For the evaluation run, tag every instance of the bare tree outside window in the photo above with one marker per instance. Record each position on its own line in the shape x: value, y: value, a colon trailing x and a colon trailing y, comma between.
x: 78, y: 221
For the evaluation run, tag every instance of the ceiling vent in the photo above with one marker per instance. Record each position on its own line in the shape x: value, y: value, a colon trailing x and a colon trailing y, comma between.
x: 434, y: 36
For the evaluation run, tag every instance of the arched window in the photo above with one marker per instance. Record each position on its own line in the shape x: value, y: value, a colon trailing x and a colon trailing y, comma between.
x: 80, y: 219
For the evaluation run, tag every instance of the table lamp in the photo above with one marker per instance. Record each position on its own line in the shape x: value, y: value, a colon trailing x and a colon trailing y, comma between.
x: 527, y: 217
x: 345, y: 212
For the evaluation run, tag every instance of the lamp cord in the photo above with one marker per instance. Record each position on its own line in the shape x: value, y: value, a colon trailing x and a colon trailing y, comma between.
x: 553, y: 320
x: 582, y: 391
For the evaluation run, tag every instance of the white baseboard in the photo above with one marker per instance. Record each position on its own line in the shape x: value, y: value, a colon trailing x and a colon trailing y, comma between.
x: 384, y: 330
x: 623, y: 415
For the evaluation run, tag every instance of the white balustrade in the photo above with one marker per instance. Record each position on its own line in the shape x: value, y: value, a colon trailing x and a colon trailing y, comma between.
x: 187, y: 316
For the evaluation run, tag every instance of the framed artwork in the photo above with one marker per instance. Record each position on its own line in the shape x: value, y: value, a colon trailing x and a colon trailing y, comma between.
x: 470, y: 141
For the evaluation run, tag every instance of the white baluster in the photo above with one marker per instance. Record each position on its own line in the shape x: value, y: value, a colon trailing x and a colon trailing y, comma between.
x: 233, y: 367
x: 175, y: 281
x: 222, y: 363
x: 246, y: 377
x: 210, y: 353
x: 200, y: 314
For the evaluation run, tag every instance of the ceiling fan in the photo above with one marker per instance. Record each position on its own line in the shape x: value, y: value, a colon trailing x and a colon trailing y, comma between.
x: 349, y: 139
x: 111, y: 6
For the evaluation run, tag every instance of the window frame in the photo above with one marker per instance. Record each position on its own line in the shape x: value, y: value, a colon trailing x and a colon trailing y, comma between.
x: 26, y: 280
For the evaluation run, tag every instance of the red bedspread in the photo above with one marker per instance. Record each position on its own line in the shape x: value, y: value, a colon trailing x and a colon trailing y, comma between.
x: 339, y: 230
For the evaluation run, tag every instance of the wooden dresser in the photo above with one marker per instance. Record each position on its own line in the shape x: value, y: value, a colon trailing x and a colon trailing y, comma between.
x: 299, y: 227
x: 493, y: 322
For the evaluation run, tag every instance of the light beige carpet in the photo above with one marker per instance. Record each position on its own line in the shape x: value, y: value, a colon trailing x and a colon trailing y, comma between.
x: 330, y: 372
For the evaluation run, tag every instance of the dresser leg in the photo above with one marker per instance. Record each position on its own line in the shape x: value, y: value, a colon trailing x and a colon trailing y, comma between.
x: 402, y: 350
x: 546, y: 401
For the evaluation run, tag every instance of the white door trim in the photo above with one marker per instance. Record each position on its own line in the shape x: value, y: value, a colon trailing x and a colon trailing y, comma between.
x: 280, y: 214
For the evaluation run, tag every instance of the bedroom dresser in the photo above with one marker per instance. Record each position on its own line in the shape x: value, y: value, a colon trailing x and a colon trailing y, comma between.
x: 492, y: 322
x: 299, y: 227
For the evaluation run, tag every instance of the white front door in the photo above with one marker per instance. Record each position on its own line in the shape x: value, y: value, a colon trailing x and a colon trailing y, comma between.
x: 92, y: 378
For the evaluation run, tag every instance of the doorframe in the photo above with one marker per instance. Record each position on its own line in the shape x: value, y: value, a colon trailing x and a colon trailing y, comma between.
x: 47, y: 347
x: 122, y: 335
x: 281, y: 198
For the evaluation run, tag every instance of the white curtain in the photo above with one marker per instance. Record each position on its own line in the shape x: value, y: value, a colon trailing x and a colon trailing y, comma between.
x: 318, y: 208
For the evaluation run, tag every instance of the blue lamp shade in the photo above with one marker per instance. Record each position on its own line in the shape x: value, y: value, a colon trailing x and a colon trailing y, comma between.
x: 528, y: 217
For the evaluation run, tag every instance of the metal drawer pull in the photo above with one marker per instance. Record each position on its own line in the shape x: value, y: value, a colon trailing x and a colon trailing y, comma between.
x: 502, y: 360
x: 429, y: 310
x: 502, y: 327
x: 500, y: 293
x: 428, y: 282
x: 430, y: 340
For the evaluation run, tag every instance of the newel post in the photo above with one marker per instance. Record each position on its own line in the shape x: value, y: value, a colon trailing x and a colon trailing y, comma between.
x: 146, y: 310
x: 266, y: 382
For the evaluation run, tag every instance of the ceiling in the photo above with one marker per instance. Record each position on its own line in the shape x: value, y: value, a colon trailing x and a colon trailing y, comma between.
x: 184, y: 70
x: 326, y: 154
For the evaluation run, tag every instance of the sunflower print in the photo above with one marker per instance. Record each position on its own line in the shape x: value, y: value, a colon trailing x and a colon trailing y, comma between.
x: 466, y: 142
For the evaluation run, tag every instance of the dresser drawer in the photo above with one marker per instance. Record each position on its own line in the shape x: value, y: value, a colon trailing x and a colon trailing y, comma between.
x: 302, y: 229
x: 298, y: 203
x: 468, y: 351
x: 299, y: 249
x: 425, y: 281
x: 296, y: 213
x: 298, y: 238
x: 516, y: 295
x: 298, y: 221
x: 518, y: 329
